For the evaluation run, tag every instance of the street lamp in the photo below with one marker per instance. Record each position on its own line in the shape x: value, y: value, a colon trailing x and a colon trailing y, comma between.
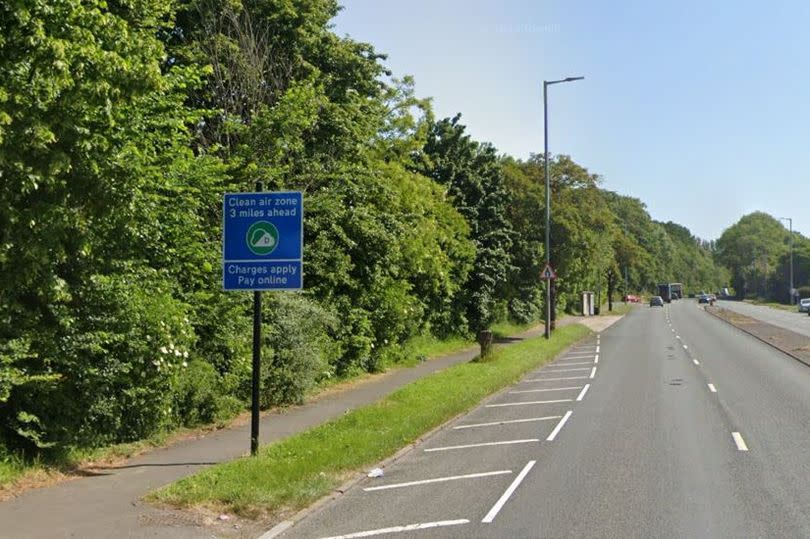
x: 790, y: 220
x: 546, y: 84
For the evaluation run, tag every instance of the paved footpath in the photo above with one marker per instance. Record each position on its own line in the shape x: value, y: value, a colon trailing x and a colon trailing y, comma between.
x: 107, y: 503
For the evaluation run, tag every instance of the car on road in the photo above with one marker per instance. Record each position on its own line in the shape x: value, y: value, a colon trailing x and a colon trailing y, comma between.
x: 656, y: 301
x: 804, y: 305
x: 703, y: 298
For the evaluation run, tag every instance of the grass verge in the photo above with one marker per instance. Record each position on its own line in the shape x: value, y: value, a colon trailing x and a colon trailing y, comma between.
x: 293, y: 473
x: 772, y: 304
x: 18, y: 474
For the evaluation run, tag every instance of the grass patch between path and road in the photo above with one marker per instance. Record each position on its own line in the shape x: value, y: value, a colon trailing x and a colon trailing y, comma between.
x: 773, y: 305
x: 18, y: 474
x: 295, y: 472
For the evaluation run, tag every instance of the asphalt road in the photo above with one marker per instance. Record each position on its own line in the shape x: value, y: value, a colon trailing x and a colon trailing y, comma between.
x: 792, y: 320
x: 687, y: 428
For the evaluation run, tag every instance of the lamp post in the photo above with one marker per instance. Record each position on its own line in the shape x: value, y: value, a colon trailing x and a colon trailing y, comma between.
x: 790, y: 221
x: 546, y: 84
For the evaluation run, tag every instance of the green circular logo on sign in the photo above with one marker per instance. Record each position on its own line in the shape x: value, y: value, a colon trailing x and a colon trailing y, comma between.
x: 262, y: 238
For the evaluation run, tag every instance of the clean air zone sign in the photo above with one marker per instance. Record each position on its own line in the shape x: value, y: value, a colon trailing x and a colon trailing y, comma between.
x: 263, y: 241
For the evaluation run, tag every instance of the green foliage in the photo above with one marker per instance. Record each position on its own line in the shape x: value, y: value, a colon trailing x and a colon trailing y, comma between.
x: 751, y: 249
x: 474, y: 182
x: 121, y: 125
x: 297, y: 348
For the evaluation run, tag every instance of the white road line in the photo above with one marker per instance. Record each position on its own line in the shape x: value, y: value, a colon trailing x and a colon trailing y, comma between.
x: 597, y: 349
x: 582, y: 393
x: 544, y: 390
x: 593, y: 373
x: 696, y: 362
x: 436, y: 480
x: 525, y: 403
x: 507, y: 493
x: 738, y: 439
x: 407, y: 528
x: 572, y: 363
x: 557, y: 379
x: 559, y: 426
x: 712, y: 388
x: 685, y: 347
x: 678, y: 337
x: 496, y: 423
x: 484, y: 444
x: 596, y: 358
x: 551, y: 370
x: 575, y: 357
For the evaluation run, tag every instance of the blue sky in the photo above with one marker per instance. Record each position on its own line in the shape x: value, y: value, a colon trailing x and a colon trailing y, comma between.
x: 700, y: 109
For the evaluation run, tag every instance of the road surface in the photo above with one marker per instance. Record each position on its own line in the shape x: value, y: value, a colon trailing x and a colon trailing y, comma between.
x: 671, y: 423
x: 792, y: 320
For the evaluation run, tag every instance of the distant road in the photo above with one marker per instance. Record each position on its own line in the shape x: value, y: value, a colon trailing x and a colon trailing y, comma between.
x: 671, y: 424
x: 792, y: 320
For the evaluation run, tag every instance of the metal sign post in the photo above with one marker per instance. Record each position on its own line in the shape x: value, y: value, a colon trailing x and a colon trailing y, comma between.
x: 262, y: 249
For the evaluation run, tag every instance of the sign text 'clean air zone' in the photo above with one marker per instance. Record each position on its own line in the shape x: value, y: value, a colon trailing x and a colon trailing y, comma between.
x: 263, y: 237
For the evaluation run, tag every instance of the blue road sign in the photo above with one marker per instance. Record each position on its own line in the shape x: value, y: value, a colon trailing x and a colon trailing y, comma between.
x: 263, y: 241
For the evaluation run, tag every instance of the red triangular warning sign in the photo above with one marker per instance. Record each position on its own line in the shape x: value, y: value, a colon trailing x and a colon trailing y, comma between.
x: 548, y: 273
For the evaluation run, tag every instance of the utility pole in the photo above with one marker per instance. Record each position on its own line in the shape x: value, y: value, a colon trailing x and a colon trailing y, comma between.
x: 790, y: 221
x: 546, y: 84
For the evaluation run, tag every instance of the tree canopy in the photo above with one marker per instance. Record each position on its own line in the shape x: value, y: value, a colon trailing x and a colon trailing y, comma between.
x: 123, y: 123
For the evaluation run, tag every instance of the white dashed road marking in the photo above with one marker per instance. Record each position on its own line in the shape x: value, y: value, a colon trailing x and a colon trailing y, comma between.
x: 559, y: 426
x: 738, y: 439
x: 582, y: 393
x: 507, y: 493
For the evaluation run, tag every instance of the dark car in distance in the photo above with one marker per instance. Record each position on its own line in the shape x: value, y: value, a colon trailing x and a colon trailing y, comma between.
x: 656, y: 301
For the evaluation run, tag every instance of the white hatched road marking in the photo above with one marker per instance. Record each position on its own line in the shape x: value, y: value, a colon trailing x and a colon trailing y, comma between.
x: 556, y: 379
x: 712, y: 388
x: 572, y: 363
x: 558, y: 369
x: 507, y: 493
x: 437, y: 480
x: 507, y: 422
x: 559, y: 426
x: 596, y: 358
x: 546, y: 389
x: 406, y: 528
x: 484, y: 444
x: 525, y: 403
x: 593, y: 373
x: 582, y: 393
x: 696, y: 362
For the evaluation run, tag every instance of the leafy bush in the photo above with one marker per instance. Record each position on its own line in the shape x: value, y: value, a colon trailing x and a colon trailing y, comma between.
x: 297, y: 348
x: 203, y: 396
x: 114, y: 358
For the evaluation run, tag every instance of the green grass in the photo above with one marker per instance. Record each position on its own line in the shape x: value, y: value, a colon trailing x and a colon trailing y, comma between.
x: 772, y: 304
x: 619, y: 308
x: 295, y: 472
x: 428, y: 346
x: 507, y: 328
x: 12, y: 468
